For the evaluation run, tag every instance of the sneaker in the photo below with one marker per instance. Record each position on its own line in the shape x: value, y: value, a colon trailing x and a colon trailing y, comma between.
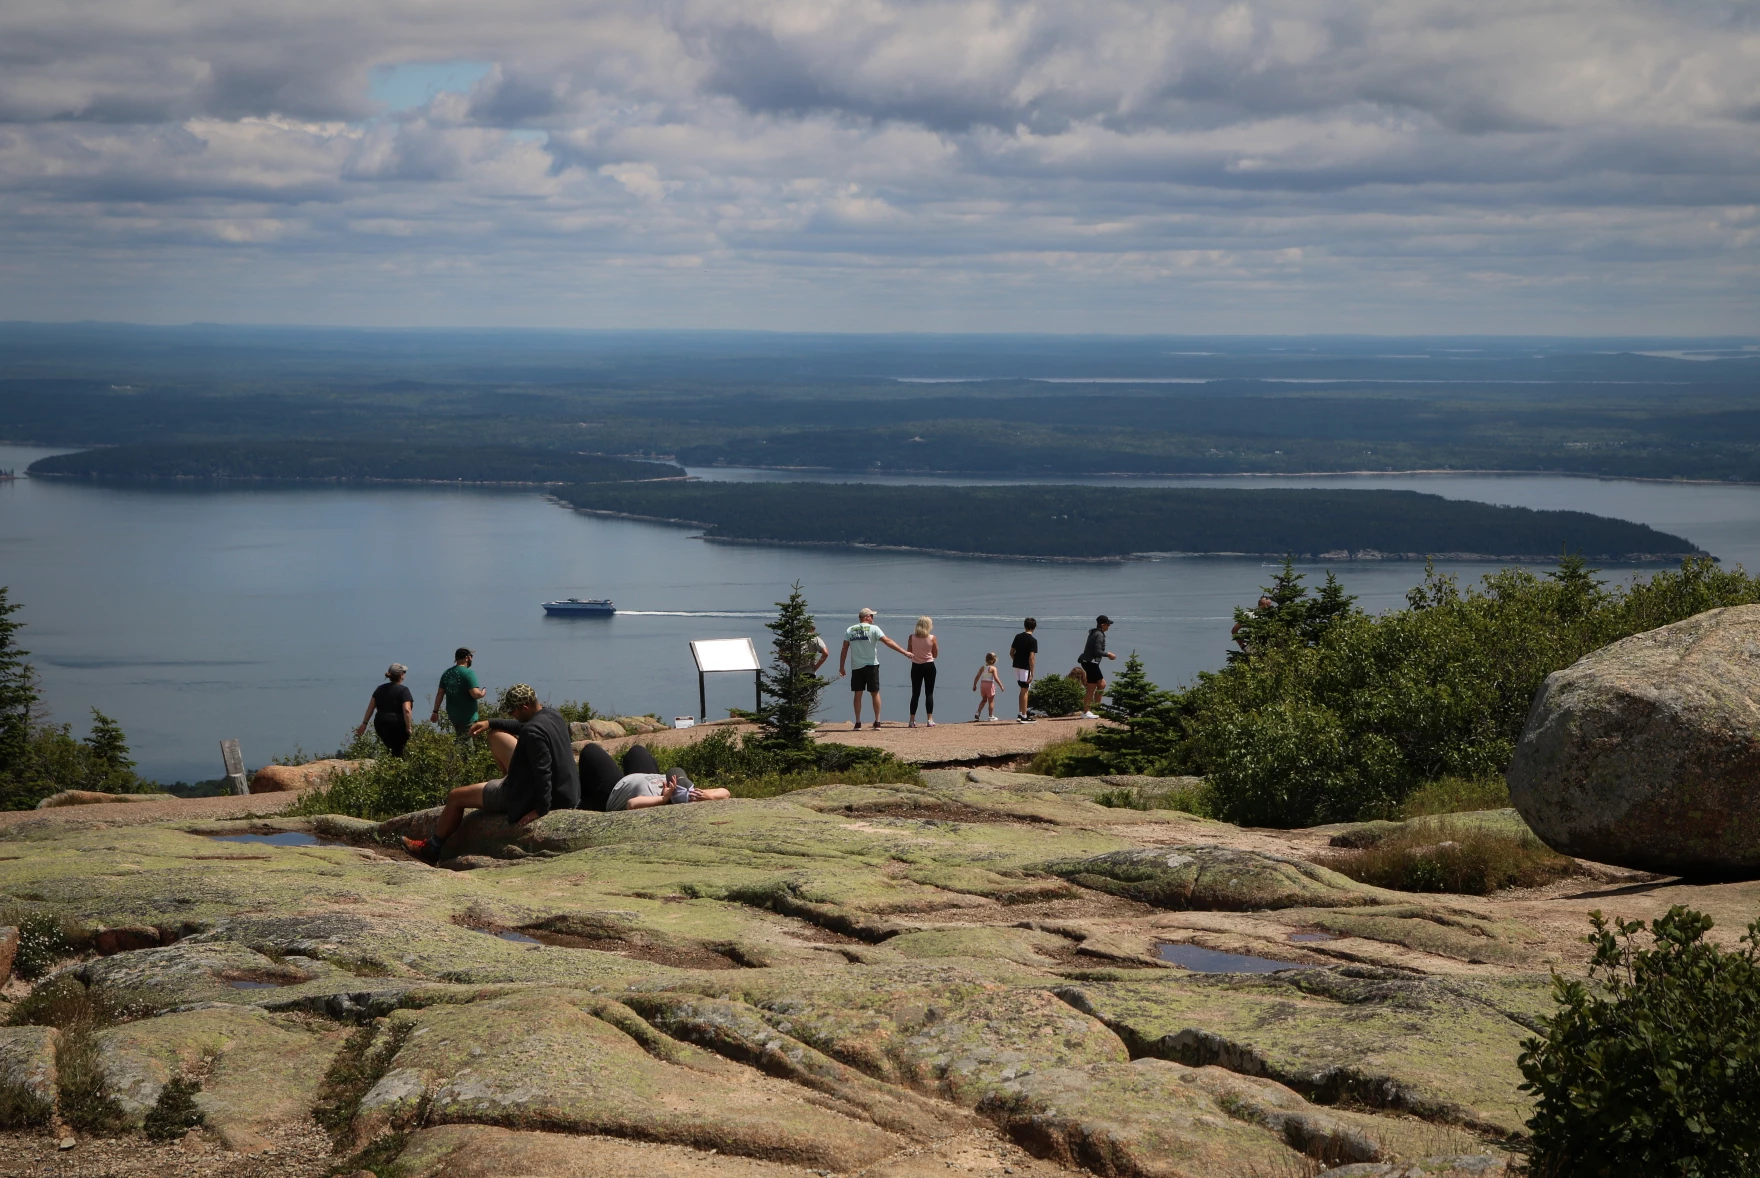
x: 858, y: 726
x: 427, y: 850
x: 1089, y: 716
x: 976, y: 716
x: 912, y: 724
x: 930, y: 724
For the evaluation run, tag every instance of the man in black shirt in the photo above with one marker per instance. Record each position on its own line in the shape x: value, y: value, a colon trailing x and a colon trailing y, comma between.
x: 536, y: 755
x: 1024, y: 652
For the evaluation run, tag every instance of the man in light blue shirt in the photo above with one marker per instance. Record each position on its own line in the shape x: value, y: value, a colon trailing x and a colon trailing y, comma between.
x: 861, y: 650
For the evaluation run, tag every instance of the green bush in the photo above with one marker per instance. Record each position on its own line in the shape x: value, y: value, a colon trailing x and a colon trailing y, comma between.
x: 1332, y: 715
x: 575, y: 711
x: 433, y: 763
x: 1652, y: 1067
x: 1055, y: 695
x: 1075, y: 757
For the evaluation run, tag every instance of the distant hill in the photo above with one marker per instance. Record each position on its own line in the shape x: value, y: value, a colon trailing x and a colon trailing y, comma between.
x: 1086, y: 522
x: 308, y: 461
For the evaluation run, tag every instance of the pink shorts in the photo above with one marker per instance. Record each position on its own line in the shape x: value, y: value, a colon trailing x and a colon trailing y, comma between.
x: 987, y: 689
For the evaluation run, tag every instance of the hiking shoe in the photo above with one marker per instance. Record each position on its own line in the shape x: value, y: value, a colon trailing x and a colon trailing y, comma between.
x: 427, y: 850
x: 912, y: 724
x: 1089, y: 716
x: 858, y: 726
x: 930, y: 724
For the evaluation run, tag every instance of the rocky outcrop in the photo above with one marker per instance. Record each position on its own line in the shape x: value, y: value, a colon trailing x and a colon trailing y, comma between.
x: 1213, y: 878
x: 87, y: 797
x: 27, y: 1076
x: 273, y: 779
x: 1646, y: 753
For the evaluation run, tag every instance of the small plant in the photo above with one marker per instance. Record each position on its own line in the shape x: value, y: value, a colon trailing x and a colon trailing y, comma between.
x: 1653, y: 1065
x: 749, y: 768
x: 1189, y: 799
x: 1055, y: 695
x: 43, y: 941
x: 175, y: 1113
x: 1427, y: 855
x: 66, y: 1004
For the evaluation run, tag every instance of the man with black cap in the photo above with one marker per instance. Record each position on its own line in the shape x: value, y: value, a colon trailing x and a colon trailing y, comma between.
x: 459, y: 690
x: 536, y: 756
x: 1090, y: 664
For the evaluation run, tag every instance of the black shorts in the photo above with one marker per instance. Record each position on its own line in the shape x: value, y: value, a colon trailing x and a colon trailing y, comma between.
x: 865, y: 678
x: 1092, y: 671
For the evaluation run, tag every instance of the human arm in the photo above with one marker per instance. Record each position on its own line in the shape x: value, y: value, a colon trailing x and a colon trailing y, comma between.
x: 895, y: 646
x: 842, y: 658
x: 1111, y: 655
x: 657, y: 800
x: 372, y: 706
x: 409, y: 719
x: 439, y: 697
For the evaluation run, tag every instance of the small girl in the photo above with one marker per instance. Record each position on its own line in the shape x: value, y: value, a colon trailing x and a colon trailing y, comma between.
x: 987, y: 683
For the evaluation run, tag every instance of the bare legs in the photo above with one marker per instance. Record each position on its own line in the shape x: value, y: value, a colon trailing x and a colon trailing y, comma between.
x: 470, y: 797
x: 858, y: 705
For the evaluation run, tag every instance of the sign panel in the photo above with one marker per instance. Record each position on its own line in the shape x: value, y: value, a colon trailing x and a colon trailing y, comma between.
x: 725, y: 654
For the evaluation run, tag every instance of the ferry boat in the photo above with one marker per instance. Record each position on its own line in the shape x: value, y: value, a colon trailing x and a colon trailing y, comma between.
x: 576, y: 607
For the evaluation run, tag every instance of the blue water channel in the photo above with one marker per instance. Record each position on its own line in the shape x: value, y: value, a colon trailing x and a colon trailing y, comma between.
x: 268, y: 614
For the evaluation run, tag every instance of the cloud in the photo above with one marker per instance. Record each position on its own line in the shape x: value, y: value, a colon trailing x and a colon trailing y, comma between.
x: 1121, y: 164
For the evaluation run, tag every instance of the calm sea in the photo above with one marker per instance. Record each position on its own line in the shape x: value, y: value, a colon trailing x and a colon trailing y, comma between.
x: 269, y: 614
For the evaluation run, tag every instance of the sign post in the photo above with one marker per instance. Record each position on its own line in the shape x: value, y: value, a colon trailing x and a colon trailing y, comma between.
x: 234, y: 766
x: 725, y: 654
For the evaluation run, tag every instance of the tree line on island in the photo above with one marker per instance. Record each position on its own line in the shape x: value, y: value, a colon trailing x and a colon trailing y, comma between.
x: 1091, y: 522
x: 318, y: 461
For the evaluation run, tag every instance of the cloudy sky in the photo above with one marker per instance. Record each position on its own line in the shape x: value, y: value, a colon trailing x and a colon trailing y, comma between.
x: 1104, y: 165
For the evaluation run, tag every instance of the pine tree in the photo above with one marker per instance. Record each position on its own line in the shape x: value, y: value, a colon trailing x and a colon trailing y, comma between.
x: 109, y: 768
x: 18, y: 695
x: 791, y: 685
x: 1131, y: 693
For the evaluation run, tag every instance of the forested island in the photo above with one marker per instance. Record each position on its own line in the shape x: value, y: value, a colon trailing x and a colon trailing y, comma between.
x: 308, y: 461
x: 1099, y: 523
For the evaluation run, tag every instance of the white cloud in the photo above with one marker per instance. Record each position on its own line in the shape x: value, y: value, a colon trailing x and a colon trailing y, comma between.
x: 1195, y: 164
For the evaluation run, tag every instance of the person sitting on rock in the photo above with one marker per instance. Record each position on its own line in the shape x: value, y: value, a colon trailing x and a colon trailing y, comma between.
x: 636, y: 784
x: 536, y: 756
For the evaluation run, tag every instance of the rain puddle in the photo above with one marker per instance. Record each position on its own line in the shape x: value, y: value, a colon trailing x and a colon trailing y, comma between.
x: 1202, y: 960
x: 507, y: 934
x: 244, y: 984
x: 1304, y: 937
x: 281, y: 838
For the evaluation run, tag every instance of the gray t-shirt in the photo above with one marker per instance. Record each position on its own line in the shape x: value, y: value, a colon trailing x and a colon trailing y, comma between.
x: 634, y: 785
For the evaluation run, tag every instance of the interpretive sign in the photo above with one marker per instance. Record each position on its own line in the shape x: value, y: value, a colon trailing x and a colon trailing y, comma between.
x: 714, y: 655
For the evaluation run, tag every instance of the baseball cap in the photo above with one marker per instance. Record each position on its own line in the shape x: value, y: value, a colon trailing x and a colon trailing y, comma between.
x: 681, y: 785
x: 463, y: 652
x: 520, y: 695
x: 397, y: 669
x: 1103, y: 620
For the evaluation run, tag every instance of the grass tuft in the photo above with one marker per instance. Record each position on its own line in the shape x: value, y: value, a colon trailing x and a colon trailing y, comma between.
x: 1192, y: 799
x: 1075, y: 757
x: 1428, y: 855
x: 1456, y: 795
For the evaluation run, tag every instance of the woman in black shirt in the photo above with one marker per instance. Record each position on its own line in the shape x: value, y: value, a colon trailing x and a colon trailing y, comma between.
x: 392, y: 701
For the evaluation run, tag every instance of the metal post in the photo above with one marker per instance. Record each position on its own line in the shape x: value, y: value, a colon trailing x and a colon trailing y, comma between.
x: 702, y: 699
x: 758, y: 691
x: 234, y: 762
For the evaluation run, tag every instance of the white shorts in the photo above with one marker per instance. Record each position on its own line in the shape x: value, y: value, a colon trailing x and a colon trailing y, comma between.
x: 1022, y: 675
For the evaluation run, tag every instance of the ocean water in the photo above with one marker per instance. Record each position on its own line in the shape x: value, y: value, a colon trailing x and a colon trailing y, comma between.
x: 268, y: 614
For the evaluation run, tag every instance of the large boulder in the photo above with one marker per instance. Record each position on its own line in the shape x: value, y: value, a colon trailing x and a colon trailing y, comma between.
x: 274, y: 779
x: 88, y: 797
x: 1646, y: 753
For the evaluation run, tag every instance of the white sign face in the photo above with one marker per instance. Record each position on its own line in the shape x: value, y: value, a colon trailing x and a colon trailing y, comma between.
x: 725, y: 654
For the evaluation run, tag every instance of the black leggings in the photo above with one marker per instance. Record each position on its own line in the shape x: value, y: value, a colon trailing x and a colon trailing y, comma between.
x: 600, y: 774
x: 923, y: 684
x: 394, y: 736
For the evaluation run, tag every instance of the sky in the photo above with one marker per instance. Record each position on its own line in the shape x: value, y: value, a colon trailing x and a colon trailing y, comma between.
x: 1180, y: 166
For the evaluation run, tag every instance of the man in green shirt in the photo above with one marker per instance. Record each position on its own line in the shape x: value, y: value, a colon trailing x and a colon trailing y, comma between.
x: 861, y: 652
x: 458, y: 688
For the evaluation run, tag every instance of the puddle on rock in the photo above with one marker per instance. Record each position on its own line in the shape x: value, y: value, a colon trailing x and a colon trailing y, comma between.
x: 1304, y: 937
x: 506, y: 934
x: 281, y: 838
x: 1202, y: 960
x: 243, y: 984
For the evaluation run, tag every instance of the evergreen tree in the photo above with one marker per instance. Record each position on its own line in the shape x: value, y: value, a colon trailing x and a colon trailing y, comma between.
x: 790, y: 686
x: 18, y: 695
x: 108, y: 766
x: 1153, y: 723
x: 1131, y: 693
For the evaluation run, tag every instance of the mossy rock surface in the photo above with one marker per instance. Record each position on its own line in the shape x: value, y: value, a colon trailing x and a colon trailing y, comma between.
x: 1213, y: 878
x: 27, y: 1076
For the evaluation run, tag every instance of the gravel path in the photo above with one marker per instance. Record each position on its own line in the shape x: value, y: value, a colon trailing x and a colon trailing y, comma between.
x: 944, y: 744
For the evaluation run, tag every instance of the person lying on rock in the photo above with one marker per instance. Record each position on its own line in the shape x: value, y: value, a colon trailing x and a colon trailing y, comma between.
x: 637, y: 783
x: 536, y: 756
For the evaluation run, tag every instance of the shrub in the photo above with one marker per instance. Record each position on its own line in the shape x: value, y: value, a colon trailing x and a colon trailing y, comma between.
x: 1075, y: 757
x: 1055, y: 695
x: 66, y: 1004
x: 1456, y: 795
x: 1333, y: 715
x: 575, y: 711
x: 1653, y: 1065
x: 433, y: 763
x: 175, y: 1113
x: 1431, y: 856
x: 44, y: 940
